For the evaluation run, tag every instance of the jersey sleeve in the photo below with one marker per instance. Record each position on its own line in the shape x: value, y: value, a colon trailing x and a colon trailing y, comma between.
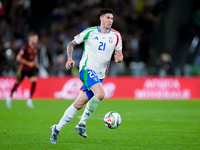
x: 22, y: 50
x: 80, y: 37
x: 83, y: 36
x: 119, y: 42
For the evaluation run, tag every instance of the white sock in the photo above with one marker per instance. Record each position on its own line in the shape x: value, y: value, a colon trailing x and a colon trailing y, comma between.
x: 68, y: 115
x: 89, y: 109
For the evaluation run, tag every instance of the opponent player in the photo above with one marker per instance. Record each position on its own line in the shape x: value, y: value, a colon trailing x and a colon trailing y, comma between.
x: 99, y: 44
x: 27, y: 67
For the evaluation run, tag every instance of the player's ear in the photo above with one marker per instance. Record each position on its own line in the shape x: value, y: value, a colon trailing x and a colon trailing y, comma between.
x: 28, y: 38
x: 100, y: 18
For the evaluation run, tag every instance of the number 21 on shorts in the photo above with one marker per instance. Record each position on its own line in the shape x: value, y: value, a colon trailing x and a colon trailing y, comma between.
x: 92, y: 74
x: 102, y: 46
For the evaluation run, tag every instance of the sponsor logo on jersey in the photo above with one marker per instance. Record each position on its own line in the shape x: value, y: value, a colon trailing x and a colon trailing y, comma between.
x: 96, y: 38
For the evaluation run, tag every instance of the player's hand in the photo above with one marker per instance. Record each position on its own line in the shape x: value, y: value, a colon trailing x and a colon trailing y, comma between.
x: 31, y: 64
x: 118, y: 58
x: 70, y: 63
x: 36, y: 65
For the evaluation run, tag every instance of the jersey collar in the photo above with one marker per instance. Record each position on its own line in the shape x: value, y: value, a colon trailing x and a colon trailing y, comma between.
x: 98, y: 29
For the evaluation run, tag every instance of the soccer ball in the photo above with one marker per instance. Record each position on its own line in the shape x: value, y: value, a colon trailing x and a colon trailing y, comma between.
x: 112, y: 120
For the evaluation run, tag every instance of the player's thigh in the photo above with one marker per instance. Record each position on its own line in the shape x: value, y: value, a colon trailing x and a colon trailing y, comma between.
x: 80, y: 100
x: 20, y: 76
x: 33, y: 78
x: 98, y: 91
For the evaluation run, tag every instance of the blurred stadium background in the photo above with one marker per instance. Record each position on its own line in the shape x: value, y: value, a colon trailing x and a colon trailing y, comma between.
x: 160, y: 39
x: 154, y: 32
x: 148, y: 27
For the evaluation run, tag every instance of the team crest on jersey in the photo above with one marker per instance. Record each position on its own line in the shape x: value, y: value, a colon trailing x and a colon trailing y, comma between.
x: 95, y: 79
x: 110, y: 39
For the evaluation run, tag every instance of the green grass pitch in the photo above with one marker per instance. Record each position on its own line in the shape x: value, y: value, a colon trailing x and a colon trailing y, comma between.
x: 146, y: 125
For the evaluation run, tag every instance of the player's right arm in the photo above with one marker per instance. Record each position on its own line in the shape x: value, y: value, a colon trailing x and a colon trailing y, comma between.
x: 70, y: 48
x: 81, y: 37
x: 24, y: 61
x: 20, y: 59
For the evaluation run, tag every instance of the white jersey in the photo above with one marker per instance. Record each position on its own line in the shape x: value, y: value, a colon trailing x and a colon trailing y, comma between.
x: 98, y: 49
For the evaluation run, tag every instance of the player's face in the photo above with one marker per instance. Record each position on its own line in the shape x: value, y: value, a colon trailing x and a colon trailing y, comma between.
x: 33, y: 39
x: 107, y: 20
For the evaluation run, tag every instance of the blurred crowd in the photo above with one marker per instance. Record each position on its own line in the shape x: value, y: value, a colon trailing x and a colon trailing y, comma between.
x: 136, y: 20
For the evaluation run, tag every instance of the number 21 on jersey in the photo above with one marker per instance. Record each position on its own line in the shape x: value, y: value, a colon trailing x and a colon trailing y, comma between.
x: 102, y: 46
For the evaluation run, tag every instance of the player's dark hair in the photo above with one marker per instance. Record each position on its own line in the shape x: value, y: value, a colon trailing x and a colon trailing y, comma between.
x: 105, y: 11
x: 30, y: 34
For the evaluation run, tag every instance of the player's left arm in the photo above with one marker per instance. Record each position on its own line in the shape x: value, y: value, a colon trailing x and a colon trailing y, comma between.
x: 118, y: 49
x: 118, y: 56
x: 36, y: 61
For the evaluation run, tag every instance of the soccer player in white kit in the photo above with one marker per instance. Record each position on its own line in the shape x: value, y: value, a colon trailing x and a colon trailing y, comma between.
x: 99, y: 44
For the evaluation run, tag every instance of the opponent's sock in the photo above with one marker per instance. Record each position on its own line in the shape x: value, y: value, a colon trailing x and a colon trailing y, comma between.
x: 89, y: 109
x: 32, y: 88
x: 68, y: 115
x: 13, y: 89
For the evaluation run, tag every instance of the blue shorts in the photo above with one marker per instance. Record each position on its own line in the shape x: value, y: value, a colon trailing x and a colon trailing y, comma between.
x: 89, y: 78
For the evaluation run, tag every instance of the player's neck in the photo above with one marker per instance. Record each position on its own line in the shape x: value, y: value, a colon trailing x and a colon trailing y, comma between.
x: 104, y: 30
x: 31, y: 45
